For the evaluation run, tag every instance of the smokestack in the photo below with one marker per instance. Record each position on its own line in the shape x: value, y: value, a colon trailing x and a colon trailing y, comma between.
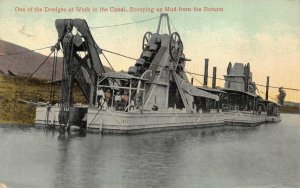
x: 267, y: 89
x: 214, y: 78
x: 205, y: 72
x: 192, y: 81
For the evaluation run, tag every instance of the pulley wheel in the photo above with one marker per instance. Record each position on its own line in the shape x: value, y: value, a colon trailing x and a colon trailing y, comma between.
x: 146, y: 39
x: 175, y: 46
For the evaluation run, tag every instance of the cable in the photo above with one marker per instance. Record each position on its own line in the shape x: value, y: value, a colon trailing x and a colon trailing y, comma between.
x: 192, y: 76
x: 172, y: 25
x: 118, y: 54
x: 191, y: 73
x: 108, y: 61
x: 129, y: 23
x: 1, y: 55
x: 258, y: 91
x: 90, y: 28
x: 277, y: 87
x: 38, y: 68
x: 265, y: 94
x: 23, y: 84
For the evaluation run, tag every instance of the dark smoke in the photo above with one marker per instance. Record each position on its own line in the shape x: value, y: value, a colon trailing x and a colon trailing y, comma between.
x: 281, y: 96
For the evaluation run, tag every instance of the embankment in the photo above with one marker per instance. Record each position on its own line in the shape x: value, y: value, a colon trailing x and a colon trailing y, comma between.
x: 13, y: 89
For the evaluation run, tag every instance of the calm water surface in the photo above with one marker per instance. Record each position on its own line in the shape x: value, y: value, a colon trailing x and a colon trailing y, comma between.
x: 264, y: 156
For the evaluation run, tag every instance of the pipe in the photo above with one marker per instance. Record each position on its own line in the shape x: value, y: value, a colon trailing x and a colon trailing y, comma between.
x: 205, y: 72
x: 267, y: 88
x: 214, y: 77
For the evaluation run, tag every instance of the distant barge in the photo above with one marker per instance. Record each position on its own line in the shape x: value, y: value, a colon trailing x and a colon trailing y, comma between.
x: 155, y: 94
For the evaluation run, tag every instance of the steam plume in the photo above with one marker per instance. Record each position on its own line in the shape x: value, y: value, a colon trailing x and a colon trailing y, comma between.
x: 281, y: 96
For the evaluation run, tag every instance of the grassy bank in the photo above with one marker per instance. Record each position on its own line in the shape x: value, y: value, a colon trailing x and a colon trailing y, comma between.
x: 14, y: 88
x: 289, y: 109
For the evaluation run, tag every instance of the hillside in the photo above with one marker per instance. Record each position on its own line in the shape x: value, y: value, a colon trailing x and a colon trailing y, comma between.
x: 36, y: 90
x: 25, y: 63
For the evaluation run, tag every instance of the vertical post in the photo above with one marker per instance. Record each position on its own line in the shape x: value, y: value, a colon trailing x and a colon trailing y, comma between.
x: 92, y: 89
x: 14, y: 109
x: 214, y: 78
x: 96, y: 96
x: 167, y: 95
x: 192, y: 81
x: 130, y: 86
x: 205, y: 72
x: 267, y: 88
x: 112, y: 95
x: 145, y: 91
x: 254, y: 106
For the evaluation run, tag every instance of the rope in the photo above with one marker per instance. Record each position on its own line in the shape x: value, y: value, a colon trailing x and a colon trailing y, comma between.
x: 2, y: 55
x: 129, y: 23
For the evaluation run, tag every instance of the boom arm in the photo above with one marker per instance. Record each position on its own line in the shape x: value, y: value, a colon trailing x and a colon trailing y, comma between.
x: 74, y: 63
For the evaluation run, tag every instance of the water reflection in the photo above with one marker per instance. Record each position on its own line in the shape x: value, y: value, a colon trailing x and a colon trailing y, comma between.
x: 114, y: 160
x: 215, y: 157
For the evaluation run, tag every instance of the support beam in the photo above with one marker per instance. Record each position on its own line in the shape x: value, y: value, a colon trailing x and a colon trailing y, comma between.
x: 167, y: 22
x: 92, y: 92
x: 183, y: 97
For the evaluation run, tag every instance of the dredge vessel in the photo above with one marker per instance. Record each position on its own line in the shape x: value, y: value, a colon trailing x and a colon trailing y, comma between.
x: 155, y: 94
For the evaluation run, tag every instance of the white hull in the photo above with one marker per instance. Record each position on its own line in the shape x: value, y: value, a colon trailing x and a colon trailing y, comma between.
x: 125, y: 122
x: 273, y: 119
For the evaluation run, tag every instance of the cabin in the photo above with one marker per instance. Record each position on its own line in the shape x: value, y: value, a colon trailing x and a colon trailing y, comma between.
x: 125, y: 92
x: 240, y: 89
x: 272, y: 108
x: 210, y: 104
x: 120, y: 91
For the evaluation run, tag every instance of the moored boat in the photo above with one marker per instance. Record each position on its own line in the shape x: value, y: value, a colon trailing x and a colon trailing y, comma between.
x: 155, y: 94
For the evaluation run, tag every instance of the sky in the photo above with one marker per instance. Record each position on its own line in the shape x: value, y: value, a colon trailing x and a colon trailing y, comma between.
x: 264, y: 33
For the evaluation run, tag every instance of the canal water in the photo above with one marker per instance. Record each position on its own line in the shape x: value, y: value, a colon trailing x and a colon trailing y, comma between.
x: 264, y: 156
